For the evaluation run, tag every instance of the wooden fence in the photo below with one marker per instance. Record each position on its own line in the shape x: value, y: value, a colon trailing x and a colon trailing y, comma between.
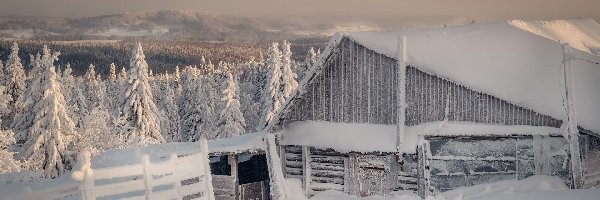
x: 179, y: 177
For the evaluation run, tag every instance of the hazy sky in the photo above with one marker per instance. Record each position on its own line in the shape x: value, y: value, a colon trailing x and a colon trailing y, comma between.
x: 344, y: 9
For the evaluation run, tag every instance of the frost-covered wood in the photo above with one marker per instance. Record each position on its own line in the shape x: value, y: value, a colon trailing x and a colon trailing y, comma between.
x: 277, y: 181
x: 466, y: 161
x: 572, y: 132
x: 359, y: 85
x: 590, y: 146
x: 293, y: 161
x: 182, y: 175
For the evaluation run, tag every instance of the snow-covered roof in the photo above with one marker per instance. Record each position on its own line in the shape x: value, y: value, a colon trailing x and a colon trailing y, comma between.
x: 583, y: 34
x: 358, y: 137
x: 250, y: 142
x: 508, y: 60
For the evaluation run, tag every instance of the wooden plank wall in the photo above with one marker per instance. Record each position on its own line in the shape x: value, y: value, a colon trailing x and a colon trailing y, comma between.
x: 465, y: 161
x: 327, y: 170
x: 358, y: 85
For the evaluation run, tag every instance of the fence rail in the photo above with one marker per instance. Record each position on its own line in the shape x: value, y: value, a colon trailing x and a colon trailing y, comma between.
x: 185, y: 176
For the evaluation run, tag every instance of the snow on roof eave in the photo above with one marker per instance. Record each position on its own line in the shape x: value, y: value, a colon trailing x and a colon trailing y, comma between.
x: 316, y: 69
x: 246, y: 143
x: 369, y: 138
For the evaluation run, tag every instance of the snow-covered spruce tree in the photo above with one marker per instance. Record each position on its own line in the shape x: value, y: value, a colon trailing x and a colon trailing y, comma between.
x: 189, y: 109
x: 112, y: 89
x: 96, y: 135
x: 288, y: 77
x: 33, y: 93
x: 311, y: 58
x: 177, y: 79
x: 250, y: 109
x: 52, y: 129
x: 119, y: 92
x: 210, y: 102
x: 67, y: 82
x: 168, y: 112
x: 113, y: 72
x: 14, y: 79
x: 271, y: 97
x: 91, y: 86
x: 7, y: 162
x: 231, y: 120
x: 78, y: 108
x: 138, y: 108
x: 196, y: 107
x: 309, y: 62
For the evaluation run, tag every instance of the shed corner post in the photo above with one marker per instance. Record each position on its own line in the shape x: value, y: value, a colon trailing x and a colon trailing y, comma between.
x: 572, y: 134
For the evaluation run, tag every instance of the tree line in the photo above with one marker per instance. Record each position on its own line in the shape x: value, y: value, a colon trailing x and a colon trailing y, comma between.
x: 49, y: 115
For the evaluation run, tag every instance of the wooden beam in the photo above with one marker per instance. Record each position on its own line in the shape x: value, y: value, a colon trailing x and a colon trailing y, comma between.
x: 572, y: 130
x: 233, y: 162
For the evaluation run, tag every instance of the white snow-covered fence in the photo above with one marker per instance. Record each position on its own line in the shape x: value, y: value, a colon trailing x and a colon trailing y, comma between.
x: 177, y: 177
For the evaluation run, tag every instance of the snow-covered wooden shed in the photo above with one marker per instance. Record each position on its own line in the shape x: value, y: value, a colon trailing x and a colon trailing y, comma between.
x: 482, y: 103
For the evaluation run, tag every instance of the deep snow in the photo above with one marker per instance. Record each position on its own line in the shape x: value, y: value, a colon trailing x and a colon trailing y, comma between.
x: 507, y: 61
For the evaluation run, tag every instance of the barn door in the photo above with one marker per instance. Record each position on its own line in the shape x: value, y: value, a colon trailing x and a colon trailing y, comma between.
x: 372, y: 174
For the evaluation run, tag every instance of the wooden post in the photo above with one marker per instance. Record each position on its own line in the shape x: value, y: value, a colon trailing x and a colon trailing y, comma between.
x: 401, y: 96
x: 233, y: 162
x: 572, y: 130
x: 306, y: 169
x: 147, y: 177
x: 423, y: 172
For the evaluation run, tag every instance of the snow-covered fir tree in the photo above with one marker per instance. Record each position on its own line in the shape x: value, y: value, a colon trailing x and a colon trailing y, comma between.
x: 24, y: 116
x: 288, y: 77
x: 52, y: 129
x: 271, y: 97
x: 91, y: 86
x: 177, y: 79
x: 122, y: 75
x: 78, y: 108
x: 231, y: 120
x: 96, y: 135
x: 138, y: 108
x: 190, y: 111
x: 113, y: 72
x: 309, y: 62
x: 14, y: 79
x: 311, y: 58
x: 67, y: 82
x: 112, y: 89
x: 250, y: 109
x: 210, y: 103
x: 7, y: 162
x: 168, y: 112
